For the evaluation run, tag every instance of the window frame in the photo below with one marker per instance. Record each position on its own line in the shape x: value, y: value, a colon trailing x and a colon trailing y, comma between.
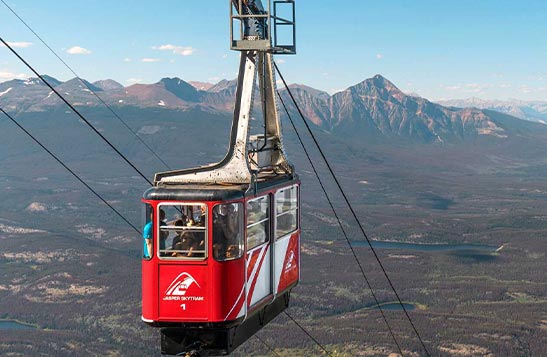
x: 296, y: 209
x: 268, y: 233
x: 147, y: 210
x: 242, y: 233
x: 205, y: 230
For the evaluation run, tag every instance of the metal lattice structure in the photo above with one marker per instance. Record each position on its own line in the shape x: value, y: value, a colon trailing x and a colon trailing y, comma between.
x: 257, y: 157
x: 271, y: 29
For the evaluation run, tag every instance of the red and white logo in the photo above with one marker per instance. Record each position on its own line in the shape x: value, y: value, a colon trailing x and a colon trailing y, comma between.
x: 180, y: 285
x: 291, y: 264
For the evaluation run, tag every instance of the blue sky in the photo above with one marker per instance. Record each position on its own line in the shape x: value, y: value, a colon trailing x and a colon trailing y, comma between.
x: 492, y: 49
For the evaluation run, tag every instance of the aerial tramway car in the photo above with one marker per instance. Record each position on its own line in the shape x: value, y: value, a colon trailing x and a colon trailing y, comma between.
x: 221, y: 247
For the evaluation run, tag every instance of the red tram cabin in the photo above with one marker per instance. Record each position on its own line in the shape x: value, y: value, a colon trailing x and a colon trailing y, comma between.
x: 221, y: 243
x: 220, y: 261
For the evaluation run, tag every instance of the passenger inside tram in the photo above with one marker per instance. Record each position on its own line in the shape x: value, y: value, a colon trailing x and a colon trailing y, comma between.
x: 163, y: 234
x: 226, y: 232
x: 147, y: 235
x: 179, y: 236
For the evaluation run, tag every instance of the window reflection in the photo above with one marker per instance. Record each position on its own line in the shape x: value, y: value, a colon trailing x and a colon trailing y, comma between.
x: 286, y: 202
x: 258, y: 221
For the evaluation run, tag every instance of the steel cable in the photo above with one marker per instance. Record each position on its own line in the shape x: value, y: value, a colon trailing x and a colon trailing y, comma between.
x: 76, y: 111
x: 340, y: 223
x: 69, y: 170
x: 354, y: 214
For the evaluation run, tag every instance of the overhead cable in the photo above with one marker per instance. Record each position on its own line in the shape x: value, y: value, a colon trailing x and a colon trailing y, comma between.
x: 267, y: 345
x: 69, y: 170
x: 88, y: 86
x: 75, y: 111
x: 307, y: 333
x: 354, y: 214
x: 340, y: 224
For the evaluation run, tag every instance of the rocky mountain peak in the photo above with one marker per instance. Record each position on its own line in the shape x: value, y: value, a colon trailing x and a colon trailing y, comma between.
x: 378, y: 87
x: 108, y: 84
x: 181, y: 89
x: 224, y: 85
x: 75, y: 84
x: 311, y: 91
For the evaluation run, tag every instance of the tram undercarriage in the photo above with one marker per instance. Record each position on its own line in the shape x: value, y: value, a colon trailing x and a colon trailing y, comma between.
x: 209, y: 340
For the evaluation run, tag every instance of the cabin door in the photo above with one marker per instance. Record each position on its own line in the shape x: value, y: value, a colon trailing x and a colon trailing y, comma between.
x: 258, y: 259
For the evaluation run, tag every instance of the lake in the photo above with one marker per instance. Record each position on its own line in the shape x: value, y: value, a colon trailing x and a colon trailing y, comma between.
x: 465, y: 253
x: 395, y: 306
x: 392, y: 306
x: 14, y: 325
x: 429, y: 247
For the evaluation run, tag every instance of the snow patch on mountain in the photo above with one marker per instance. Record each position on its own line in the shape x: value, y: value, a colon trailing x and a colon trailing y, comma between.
x: 149, y: 129
x: 5, y: 92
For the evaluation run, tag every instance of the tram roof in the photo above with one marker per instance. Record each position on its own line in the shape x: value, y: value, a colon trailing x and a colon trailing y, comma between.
x: 214, y: 191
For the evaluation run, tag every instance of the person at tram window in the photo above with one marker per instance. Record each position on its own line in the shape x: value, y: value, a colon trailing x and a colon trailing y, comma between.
x: 186, y: 243
x: 178, y: 238
x: 147, y: 235
x: 196, y: 241
x: 202, y: 216
x: 163, y: 233
x: 225, y: 231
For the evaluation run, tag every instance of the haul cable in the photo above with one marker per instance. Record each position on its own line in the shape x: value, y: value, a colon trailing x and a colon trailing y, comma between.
x: 354, y: 214
x: 76, y: 111
x: 267, y: 345
x: 340, y: 224
x: 307, y: 333
x: 69, y: 170
x: 85, y: 83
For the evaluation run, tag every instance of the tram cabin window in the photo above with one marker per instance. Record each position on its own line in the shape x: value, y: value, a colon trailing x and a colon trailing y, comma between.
x: 148, y: 231
x: 286, y: 203
x: 258, y: 221
x: 227, y: 232
x: 182, y: 231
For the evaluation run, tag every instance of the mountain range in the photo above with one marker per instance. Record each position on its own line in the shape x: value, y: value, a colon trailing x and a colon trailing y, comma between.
x: 374, y: 108
x: 528, y: 110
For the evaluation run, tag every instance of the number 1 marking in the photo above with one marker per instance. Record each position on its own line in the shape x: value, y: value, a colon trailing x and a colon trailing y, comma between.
x: 183, y: 306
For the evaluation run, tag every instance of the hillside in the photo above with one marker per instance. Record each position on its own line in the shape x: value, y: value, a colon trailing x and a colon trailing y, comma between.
x: 72, y: 268
x: 535, y: 111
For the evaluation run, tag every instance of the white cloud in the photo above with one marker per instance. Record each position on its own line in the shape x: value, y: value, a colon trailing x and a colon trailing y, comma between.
x: 224, y: 56
x: 17, y: 44
x: 6, y: 76
x: 525, y: 89
x: 505, y: 85
x: 172, y: 61
x: 133, y: 80
x: 77, y: 50
x: 127, y: 59
x: 150, y: 60
x: 476, y: 88
x: 178, y: 50
x: 379, y: 56
x: 536, y: 77
x: 280, y: 61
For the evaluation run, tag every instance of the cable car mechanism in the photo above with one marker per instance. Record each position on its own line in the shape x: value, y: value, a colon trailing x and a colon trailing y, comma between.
x: 221, y: 243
